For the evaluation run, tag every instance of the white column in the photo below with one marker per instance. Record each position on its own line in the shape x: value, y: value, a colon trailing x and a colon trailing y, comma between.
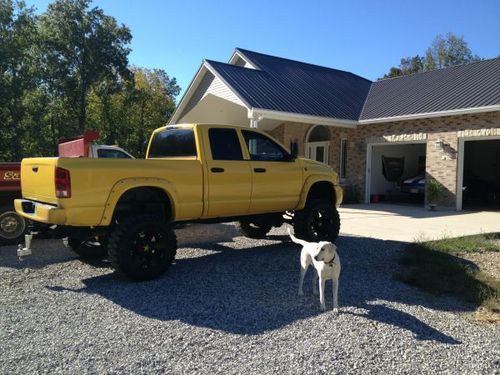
x: 254, y: 122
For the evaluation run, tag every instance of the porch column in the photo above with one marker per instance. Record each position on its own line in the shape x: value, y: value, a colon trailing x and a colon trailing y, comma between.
x: 254, y: 122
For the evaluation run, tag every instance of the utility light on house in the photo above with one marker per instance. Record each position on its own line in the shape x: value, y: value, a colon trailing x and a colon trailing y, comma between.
x: 439, y: 144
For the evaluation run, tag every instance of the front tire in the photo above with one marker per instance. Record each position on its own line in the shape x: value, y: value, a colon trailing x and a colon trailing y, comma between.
x: 12, y: 225
x: 142, y: 247
x: 254, y: 229
x: 318, y: 221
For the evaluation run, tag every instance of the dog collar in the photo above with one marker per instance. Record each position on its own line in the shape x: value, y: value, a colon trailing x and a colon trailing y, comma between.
x: 330, y: 263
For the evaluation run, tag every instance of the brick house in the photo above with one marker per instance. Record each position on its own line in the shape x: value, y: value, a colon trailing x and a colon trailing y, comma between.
x: 443, y: 124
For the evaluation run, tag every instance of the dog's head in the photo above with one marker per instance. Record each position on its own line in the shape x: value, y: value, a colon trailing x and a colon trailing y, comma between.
x: 325, y: 252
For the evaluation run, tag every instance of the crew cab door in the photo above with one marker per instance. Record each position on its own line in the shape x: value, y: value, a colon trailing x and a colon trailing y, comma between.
x: 229, y: 175
x: 276, y: 177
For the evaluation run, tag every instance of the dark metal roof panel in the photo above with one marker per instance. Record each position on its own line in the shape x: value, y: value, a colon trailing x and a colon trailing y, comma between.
x: 465, y: 86
x: 292, y: 86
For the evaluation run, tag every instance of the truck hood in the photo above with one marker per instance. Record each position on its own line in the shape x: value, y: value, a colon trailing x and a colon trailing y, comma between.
x: 316, y: 167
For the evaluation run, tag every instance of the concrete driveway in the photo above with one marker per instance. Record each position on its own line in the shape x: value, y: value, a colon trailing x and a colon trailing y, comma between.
x: 408, y: 223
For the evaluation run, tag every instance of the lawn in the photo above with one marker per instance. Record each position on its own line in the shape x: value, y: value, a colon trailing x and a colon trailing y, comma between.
x: 465, y: 266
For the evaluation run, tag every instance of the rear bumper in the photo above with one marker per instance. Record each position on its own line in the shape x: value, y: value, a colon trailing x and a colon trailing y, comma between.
x: 40, y: 212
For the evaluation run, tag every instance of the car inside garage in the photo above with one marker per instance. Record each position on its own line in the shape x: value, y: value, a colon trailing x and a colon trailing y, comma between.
x: 397, y: 173
x: 481, y: 174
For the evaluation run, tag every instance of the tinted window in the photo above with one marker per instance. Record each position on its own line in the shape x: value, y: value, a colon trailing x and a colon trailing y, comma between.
x: 172, y: 143
x: 224, y: 144
x: 111, y: 154
x: 263, y: 148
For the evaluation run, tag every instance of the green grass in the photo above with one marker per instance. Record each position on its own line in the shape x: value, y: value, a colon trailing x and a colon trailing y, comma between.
x: 436, y: 266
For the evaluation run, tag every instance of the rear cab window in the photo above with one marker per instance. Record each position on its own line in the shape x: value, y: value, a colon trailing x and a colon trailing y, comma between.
x: 173, y: 143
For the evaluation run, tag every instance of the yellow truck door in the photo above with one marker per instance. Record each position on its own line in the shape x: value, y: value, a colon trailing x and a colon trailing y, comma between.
x: 229, y: 175
x: 276, y: 179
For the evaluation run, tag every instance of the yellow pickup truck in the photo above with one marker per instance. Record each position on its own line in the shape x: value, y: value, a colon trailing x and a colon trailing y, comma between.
x: 193, y: 173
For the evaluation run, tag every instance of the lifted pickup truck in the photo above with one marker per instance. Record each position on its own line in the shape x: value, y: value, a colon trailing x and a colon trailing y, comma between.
x: 193, y: 173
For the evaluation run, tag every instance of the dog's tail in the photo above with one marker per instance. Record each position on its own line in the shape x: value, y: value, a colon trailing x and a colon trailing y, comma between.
x: 297, y: 240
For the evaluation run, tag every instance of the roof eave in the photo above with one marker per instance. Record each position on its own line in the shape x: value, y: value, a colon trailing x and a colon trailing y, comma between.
x: 188, y: 93
x: 261, y: 113
x: 416, y: 116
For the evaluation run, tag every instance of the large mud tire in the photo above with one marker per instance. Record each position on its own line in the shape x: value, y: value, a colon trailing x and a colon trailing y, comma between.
x: 318, y: 221
x: 142, y: 247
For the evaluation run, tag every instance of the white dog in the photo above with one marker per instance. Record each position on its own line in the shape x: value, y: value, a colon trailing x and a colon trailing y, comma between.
x: 323, y: 255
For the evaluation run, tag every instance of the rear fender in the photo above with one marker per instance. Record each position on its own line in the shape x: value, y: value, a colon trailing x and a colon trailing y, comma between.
x: 127, y: 184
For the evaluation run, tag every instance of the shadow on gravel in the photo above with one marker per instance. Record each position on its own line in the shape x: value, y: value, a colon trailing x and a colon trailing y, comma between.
x: 45, y: 252
x: 253, y: 290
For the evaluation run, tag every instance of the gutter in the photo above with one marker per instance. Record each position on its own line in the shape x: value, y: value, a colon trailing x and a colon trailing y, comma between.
x: 259, y: 113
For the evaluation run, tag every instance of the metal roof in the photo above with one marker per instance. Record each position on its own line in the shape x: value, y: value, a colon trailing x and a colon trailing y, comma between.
x: 465, y: 86
x: 291, y: 86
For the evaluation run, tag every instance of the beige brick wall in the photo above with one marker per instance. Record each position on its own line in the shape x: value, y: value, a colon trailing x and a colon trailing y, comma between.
x: 440, y: 164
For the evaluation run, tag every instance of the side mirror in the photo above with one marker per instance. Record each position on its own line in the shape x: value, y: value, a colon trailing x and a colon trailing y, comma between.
x: 294, y: 151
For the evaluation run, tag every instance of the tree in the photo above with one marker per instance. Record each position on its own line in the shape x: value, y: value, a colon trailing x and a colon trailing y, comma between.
x: 17, y: 73
x: 67, y: 70
x: 126, y: 113
x: 81, y: 47
x: 444, y: 52
x: 448, y: 51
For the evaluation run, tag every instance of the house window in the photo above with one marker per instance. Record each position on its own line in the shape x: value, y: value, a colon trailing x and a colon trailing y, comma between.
x: 318, y: 143
x: 343, y: 158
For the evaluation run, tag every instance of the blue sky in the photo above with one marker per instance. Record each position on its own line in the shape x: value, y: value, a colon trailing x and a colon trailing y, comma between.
x: 364, y: 37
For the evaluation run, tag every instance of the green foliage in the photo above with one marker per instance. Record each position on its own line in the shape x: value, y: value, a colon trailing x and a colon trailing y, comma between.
x: 79, y: 48
x: 127, y: 114
x: 17, y: 73
x: 434, y: 190
x: 444, y: 52
x: 437, y: 267
x: 66, y: 71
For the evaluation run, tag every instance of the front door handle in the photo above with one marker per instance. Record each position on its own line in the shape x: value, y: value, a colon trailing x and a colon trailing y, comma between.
x: 259, y: 170
x: 217, y: 170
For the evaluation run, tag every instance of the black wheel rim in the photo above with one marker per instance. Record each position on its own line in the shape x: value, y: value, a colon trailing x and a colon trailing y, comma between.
x: 148, y: 249
x: 321, y: 223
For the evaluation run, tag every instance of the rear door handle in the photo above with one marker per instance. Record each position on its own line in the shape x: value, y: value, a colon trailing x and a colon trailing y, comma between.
x: 259, y: 170
x: 217, y: 170
x: 34, y: 169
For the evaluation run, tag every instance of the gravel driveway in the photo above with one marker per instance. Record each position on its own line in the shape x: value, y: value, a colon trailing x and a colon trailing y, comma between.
x: 232, y: 307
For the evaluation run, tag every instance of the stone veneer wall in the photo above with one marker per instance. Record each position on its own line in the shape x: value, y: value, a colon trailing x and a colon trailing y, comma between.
x: 440, y: 164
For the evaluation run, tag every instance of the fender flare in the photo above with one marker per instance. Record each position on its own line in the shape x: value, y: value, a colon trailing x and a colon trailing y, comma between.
x: 310, y: 181
x: 126, y: 184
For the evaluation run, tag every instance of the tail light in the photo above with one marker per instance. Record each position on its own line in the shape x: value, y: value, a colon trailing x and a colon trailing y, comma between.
x: 63, y: 183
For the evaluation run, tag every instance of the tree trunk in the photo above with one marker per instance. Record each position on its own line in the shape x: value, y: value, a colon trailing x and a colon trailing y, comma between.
x: 82, y: 109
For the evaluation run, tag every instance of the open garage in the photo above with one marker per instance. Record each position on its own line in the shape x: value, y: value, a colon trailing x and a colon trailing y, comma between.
x: 396, y: 173
x: 481, y: 174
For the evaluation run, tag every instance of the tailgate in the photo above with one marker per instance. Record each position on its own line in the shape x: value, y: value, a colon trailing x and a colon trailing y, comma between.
x: 37, y: 179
